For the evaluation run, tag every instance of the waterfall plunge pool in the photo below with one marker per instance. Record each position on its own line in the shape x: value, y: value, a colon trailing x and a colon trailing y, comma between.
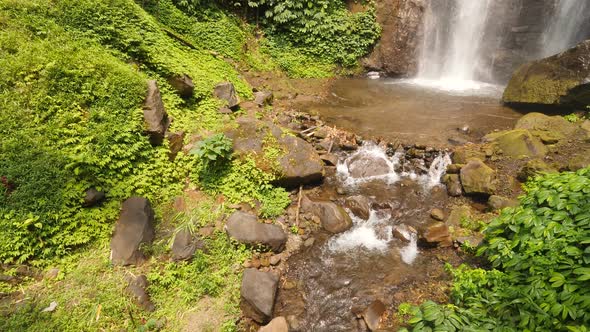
x: 414, y: 111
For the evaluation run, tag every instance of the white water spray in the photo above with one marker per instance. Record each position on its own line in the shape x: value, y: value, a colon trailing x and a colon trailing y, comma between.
x: 453, y: 33
x: 563, y: 29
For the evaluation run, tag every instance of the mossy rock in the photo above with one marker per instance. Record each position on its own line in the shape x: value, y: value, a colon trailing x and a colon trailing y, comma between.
x: 534, y: 167
x: 478, y: 178
x: 463, y: 154
x: 557, y: 80
x: 518, y: 143
x: 578, y: 162
x: 549, y: 129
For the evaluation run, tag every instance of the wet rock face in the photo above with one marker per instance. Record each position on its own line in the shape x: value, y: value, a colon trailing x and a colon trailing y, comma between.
x: 258, y: 294
x: 245, y: 228
x: 299, y: 164
x: 227, y: 92
x: 561, y: 79
x: 134, y: 228
x: 154, y: 114
x: 478, y: 178
x: 395, y: 53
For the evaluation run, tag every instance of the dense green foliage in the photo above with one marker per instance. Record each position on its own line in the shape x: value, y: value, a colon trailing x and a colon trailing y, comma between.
x: 540, y: 252
x: 213, y: 151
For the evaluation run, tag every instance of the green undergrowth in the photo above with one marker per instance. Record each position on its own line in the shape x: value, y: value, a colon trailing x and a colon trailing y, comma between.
x: 540, y: 258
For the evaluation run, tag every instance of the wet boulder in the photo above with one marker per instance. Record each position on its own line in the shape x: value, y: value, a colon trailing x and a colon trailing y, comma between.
x: 549, y: 129
x: 245, y: 228
x: 532, y: 168
x: 558, y: 80
x: 278, y: 324
x: 227, y: 92
x: 155, y: 117
x: 372, y: 315
x: 453, y: 183
x: 263, y: 98
x: 258, y: 293
x: 498, y: 202
x: 183, y: 84
x: 93, y: 197
x: 137, y: 289
x: 518, y: 143
x: 478, y: 178
x: 404, y: 232
x: 134, y: 228
x: 333, y: 218
x: 365, y: 166
x: 437, y: 234
x: 298, y: 162
x: 359, y: 206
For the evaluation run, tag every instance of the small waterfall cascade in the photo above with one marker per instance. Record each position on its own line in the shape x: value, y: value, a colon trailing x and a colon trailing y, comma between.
x: 563, y: 30
x: 453, y: 35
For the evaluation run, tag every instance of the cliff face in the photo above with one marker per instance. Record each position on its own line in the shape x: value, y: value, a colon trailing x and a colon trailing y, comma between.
x: 396, y: 52
x: 513, y: 37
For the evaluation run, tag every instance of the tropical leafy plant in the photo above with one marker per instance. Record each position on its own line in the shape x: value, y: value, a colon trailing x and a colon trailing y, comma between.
x: 214, y: 151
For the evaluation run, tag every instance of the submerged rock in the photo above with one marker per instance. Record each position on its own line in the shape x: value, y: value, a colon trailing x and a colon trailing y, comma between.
x: 518, y: 143
x: 227, y: 92
x: 478, y: 178
x: 561, y: 79
x: 154, y: 114
x: 258, y: 294
x: 134, y: 228
x: 245, y: 228
x: 359, y: 206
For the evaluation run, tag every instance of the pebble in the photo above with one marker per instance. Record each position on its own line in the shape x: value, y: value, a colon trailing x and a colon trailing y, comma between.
x: 309, y: 242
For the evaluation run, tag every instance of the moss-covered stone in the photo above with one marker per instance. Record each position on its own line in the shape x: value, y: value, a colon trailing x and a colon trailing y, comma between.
x: 549, y: 129
x: 518, y: 143
x: 534, y: 167
x: 478, y: 178
x: 556, y: 80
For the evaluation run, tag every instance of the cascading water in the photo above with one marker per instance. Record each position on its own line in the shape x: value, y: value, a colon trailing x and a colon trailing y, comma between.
x: 564, y: 27
x: 453, y: 33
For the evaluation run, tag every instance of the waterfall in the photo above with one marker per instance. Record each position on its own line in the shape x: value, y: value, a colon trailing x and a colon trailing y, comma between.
x: 453, y: 34
x: 563, y: 30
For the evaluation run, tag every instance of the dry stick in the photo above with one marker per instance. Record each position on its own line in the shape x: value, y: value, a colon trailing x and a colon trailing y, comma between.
x: 298, y: 206
x: 308, y: 129
x: 331, y: 145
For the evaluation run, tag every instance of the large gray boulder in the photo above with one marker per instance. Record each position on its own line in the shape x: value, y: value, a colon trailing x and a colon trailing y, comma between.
x: 227, y: 92
x: 561, y: 79
x: 478, y: 178
x: 297, y: 163
x: 245, y: 228
x: 258, y: 294
x: 155, y: 117
x: 333, y: 218
x: 134, y: 228
x: 365, y: 166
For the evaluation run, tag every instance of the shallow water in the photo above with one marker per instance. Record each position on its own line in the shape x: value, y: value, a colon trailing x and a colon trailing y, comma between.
x: 343, y: 271
x: 414, y: 111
